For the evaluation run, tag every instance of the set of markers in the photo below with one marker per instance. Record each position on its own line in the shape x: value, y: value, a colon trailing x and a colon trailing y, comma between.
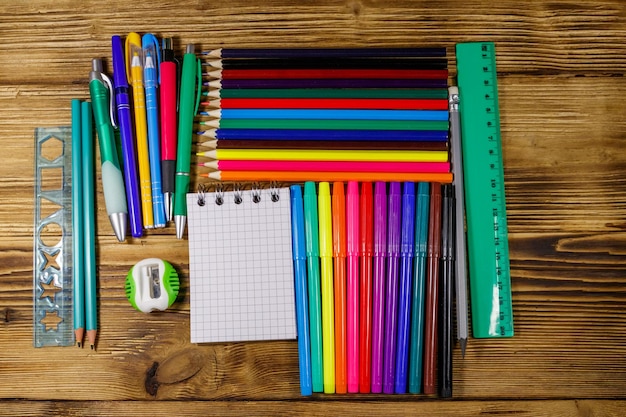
x: 153, y: 113
x: 295, y: 115
x: 374, y: 272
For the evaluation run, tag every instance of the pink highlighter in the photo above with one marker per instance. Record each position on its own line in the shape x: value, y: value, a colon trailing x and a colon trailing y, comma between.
x: 352, y: 314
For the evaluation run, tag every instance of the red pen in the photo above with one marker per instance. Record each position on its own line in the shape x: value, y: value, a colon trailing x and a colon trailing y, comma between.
x: 339, y: 256
x: 169, y: 116
x: 366, y: 210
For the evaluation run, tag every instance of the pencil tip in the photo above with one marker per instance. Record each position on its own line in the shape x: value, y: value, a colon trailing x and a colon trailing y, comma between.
x: 78, y: 344
x: 93, y: 347
x: 463, y: 343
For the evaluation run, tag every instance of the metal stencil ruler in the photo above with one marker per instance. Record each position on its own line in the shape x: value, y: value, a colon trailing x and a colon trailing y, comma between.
x: 487, y: 236
x: 52, y: 272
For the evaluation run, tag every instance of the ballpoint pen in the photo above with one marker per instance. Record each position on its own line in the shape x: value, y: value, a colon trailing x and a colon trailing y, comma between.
x: 125, y: 126
x: 152, y: 60
x: 189, y: 103
x: 134, y: 71
x: 112, y: 181
x: 169, y: 113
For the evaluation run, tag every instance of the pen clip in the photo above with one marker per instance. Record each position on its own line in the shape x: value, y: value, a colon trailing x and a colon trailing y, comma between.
x: 150, y: 42
x: 199, y: 87
x: 132, y: 45
x: 109, y: 85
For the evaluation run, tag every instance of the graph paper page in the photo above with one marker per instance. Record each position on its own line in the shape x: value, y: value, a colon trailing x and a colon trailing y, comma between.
x: 241, y: 267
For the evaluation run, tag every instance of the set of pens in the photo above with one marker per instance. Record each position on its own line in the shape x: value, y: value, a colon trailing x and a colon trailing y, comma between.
x: 375, y: 314
x: 83, y: 223
x: 144, y: 96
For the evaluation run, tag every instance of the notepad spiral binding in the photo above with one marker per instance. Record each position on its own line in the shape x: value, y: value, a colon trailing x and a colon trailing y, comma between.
x: 219, y: 189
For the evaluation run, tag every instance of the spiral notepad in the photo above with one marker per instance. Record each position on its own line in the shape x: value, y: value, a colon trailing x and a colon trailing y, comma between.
x: 240, y: 266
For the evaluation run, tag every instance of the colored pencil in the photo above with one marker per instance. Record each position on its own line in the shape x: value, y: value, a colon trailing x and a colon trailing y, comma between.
x: 296, y: 176
x: 324, y: 114
x: 328, y: 124
x: 323, y: 144
x: 324, y: 52
x: 378, y: 284
x: 321, y: 74
x: 327, y: 93
x: 352, y: 285
x: 330, y: 103
x: 419, y: 288
x: 326, y: 63
x: 328, y: 83
x: 328, y: 309
x: 78, y: 262
x: 432, y: 290
x: 295, y: 135
x: 339, y: 258
x: 339, y: 166
x: 366, y: 225
x: 325, y: 155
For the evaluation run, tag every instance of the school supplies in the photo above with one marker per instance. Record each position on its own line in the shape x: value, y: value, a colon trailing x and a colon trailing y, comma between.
x: 152, y: 285
x: 338, y: 210
x: 240, y: 265
x: 78, y: 276
x: 488, y: 247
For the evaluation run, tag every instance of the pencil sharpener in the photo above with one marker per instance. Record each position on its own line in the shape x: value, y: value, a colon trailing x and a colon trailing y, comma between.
x: 152, y: 284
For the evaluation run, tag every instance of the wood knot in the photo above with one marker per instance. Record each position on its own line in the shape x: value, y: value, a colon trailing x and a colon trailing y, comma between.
x: 354, y: 7
x: 179, y: 367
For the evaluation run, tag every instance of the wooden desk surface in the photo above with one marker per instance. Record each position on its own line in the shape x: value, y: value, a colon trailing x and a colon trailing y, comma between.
x: 561, y: 68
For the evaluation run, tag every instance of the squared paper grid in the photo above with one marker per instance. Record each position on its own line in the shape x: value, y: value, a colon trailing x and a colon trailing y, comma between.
x: 241, y: 268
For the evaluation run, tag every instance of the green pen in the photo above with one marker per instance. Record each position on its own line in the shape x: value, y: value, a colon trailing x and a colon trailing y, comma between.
x: 100, y: 88
x: 313, y: 271
x: 190, y: 71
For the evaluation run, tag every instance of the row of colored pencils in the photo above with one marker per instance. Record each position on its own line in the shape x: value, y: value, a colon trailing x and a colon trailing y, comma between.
x: 375, y: 302
x: 325, y: 115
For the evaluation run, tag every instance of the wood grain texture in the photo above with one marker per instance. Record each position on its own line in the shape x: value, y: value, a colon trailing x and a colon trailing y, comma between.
x: 562, y: 90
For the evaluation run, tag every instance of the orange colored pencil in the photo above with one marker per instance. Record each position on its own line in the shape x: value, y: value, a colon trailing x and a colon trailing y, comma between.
x: 300, y: 176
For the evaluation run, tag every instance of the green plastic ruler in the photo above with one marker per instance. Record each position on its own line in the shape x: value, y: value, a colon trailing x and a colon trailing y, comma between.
x: 487, y: 236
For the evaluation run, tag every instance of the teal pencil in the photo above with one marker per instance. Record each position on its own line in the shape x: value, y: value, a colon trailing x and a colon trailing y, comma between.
x: 89, y: 224
x: 311, y: 234
x: 77, y: 225
x: 419, y: 288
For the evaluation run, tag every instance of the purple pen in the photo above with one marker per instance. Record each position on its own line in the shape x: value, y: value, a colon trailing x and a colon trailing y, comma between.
x: 378, y: 284
x: 125, y: 126
x: 394, y: 210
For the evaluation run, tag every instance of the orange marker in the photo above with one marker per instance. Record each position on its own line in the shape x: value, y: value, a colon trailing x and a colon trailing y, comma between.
x: 339, y: 256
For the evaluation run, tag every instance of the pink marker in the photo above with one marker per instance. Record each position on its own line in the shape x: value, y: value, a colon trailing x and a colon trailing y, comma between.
x: 352, y: 315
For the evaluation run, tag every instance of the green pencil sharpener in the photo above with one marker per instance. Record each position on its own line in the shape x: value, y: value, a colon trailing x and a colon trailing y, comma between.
x: 152, y: 284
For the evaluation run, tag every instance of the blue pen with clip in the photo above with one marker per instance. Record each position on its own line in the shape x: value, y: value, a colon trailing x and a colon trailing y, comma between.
x: 152, y: 61
x: 302, y: 307
x: 125, y: 125
x: 406, y: 278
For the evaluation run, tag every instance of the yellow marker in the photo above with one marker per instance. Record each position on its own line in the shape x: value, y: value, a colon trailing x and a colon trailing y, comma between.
x: 328, y: 312
x: 134, y: 69
x: 326, y: 155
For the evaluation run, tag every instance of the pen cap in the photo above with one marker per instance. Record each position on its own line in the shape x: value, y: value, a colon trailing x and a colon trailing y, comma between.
x: 297, y: 223
x: 119, y: 65
x: 380, y: 218
x: 394, y: 212
x: 311, y: 226
x: 168, y: 51
x: 133, y: 51
x: 339, y: 219
x: 408, y: 218
x: 325, y: 220
x: 366, y: 213
x: 434, y: 229
x: 352, y: 218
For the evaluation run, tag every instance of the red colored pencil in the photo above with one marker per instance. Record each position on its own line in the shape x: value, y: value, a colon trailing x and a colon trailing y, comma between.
x: 236, y: 74
x: 329, y: 103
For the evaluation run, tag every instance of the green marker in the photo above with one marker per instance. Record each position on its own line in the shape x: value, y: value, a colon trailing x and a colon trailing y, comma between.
x: 100, y: 88
x: 311, y: 234
x: 189, y: 103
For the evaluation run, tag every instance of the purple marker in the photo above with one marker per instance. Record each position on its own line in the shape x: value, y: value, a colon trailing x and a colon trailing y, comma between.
x: 125, y: 126
x: 378, y: 284
x: 393, y: 257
